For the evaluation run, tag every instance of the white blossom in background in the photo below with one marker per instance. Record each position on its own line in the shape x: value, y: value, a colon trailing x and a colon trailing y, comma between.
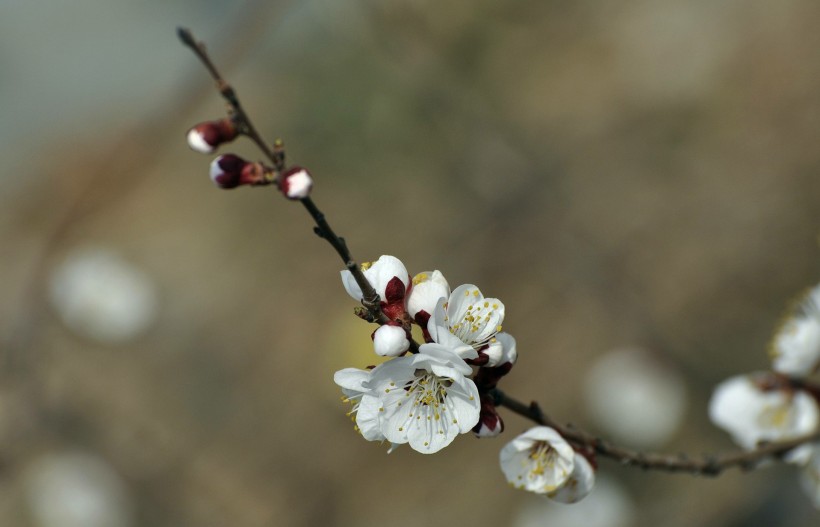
x: 424, y: 400
x: 100, y: 295
x: 752, y: 414
x: 608, y: 505
x: 634, y: 398
x: 539, y: 460
x: 795, y: 348
x: 810, y: 478
x: 76, y: 490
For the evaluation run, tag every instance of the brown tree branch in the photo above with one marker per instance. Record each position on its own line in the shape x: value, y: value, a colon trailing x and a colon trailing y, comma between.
x: 277, y: 157
x: 705, y: 465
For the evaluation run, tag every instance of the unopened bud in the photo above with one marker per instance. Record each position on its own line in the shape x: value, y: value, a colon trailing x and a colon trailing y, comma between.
x: 231, y: 171
x: 390, y: 341
x: 295, y: 183
x: 206, y: 137
x: 489, y: 422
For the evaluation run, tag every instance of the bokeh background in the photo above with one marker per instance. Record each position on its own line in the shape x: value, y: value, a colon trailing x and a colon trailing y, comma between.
x: 639, y: 174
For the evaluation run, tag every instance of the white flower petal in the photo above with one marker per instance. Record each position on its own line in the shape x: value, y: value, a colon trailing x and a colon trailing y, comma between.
x: 385, y: 269
x: 368, y: 418
x: 501, y: 350
x: 351, y: 286
x: 579, y: 484
x: 795, y: 348
x: 428, y: 288
x: 352, y: 379
x: 463, y: 397
x: 433, y: 353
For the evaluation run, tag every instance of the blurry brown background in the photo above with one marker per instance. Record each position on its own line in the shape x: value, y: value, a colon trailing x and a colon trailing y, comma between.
x: 618, y: 173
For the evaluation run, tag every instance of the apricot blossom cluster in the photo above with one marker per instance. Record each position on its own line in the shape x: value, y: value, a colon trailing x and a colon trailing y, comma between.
x: 425, y: 397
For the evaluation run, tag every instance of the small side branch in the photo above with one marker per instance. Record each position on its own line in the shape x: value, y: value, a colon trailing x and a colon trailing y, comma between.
x: 277, y: 157
x: 707, y: 465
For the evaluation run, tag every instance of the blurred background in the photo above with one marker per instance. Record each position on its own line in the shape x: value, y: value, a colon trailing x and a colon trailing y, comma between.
x: 633, y: 176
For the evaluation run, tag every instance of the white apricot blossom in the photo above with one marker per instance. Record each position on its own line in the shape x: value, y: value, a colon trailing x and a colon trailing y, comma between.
x: 751, y: 413
x: 795, y: 348
x: 539, y: 461
x: 425, y: 399
x: 467, y: 318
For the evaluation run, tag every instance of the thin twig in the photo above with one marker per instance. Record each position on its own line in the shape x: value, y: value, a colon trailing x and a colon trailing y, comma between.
x: 277, y: 157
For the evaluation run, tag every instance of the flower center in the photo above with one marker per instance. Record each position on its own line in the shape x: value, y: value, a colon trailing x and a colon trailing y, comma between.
x: 543, y: 457
x: 776, y: 416
x: 479, y: 324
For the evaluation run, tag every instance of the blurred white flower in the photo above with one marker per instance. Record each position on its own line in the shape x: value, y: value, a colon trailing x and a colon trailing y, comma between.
x: 795, y: 349
x: 100, y: 295
x: 742, y: 406
x: 539, y: 460
x: 811, y: 476
x: 608, y: 505
x: 634, y: 398
x: 76, y: 490
x: 579, y: 484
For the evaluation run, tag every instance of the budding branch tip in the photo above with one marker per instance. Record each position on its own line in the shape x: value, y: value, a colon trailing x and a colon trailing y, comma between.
x: 186, y: 36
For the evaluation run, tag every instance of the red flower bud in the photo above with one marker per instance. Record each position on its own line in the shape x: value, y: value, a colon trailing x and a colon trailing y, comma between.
x: 489, y: 422
x: 231, y: 171
x: 206, y: 137
x: 295, y: 183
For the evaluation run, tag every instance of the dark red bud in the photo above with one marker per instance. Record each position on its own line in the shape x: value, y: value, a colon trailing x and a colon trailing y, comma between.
x: 489, y: 423
x: 206, y: 137
x: 231, y: 171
